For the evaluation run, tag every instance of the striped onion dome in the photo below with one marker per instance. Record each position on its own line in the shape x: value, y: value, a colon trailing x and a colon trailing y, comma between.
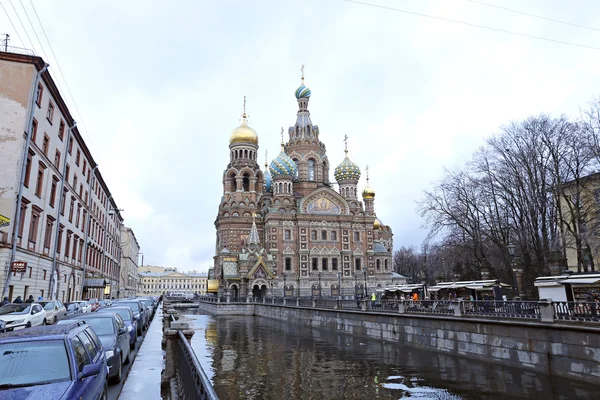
x: 303, y: 92
x: 347, y: 171
x: 283, y: 165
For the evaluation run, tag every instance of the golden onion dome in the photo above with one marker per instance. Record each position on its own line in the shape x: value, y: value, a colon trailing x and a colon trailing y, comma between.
x: 377, y: 224
x: 368, y: 192
x: 243, y: 133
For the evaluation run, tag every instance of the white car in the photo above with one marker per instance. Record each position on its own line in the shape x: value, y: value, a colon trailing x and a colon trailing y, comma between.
x: 85, y: 306
x: 55, y: 310
x: 22, y: 315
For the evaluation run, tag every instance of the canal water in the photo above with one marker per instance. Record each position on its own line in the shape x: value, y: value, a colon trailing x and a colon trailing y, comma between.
x: 260, y: 358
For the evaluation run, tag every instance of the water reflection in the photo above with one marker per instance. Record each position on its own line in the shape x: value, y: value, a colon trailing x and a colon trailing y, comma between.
x: 256, y: 358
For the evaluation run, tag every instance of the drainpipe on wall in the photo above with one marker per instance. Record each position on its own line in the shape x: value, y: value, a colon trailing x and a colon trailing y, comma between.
x: 17, y: 224
x: 53, y: 284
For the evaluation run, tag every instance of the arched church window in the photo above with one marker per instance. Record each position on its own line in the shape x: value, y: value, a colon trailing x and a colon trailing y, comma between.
x: 246, y: 183
x: 385, y: 264
x: 232, y: 183
x: 311, y: 170
x: 378, y: 265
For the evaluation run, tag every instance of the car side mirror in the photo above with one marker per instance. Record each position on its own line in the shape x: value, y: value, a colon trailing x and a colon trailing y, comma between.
x: 90, y: 370
x: 122, y: 330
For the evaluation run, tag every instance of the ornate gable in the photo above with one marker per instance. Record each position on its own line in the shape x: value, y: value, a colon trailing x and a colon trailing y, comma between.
x: 260, y: 270
x: 324, y: 201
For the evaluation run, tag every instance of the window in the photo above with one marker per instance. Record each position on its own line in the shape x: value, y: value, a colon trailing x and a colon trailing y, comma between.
x: 39, y: 94
x: 74, y: 247
x: 84, y: 167
x: 78, y: 213
x: 324, y: 264
x: 311, y: 170
x: 59, y: 240
x: 33, y: 132
x: 61, y: 130
x: 357, y: 264
x: 44, y: 274
x: 68, y: 245
x: 33, y: 226
x: 50, y: 112
x: 334, y: 264
x: 71, y: 209
x: 74, y: 181
x: 57, y: 159
x: 45, y: 144
x: 385, y: 264
x: 95, y: 340
x: 28, y: 168
x: 81, y: 356
x: 313, y: 235
x: 67, y: 173
x: 378, y: 265
x: 357, y: 236
x: 39, y: 185
x: 53, y: 191
x: 70, y: 145
x: 333, y: 236
x: 64, y: 202
x: 323, y: 235
x: 81, y: 190
x: 287, y: 235
x: 22, y: 222
x: 77, y: 157
x: 315, y: 264
x: 48, y: 233
x: 246, y: 183
x: 288, y: 264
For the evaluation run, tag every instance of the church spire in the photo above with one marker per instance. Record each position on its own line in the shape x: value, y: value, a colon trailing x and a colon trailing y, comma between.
x: 254, y: 240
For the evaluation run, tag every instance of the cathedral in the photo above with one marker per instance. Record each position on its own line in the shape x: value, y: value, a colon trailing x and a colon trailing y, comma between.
x: 288, y: 230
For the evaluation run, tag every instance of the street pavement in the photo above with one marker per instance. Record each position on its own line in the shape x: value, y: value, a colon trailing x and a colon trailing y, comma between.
x: 114, y: 390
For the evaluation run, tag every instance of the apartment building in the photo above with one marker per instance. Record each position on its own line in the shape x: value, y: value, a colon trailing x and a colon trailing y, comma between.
x: 129, y: 278
x: 59, y: 225
x: 156, y: 281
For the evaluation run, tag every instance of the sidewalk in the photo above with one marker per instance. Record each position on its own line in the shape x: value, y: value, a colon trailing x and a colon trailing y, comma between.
x: 143, y: 381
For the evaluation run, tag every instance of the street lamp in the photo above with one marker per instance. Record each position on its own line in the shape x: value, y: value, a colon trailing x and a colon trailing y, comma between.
x: 366, y: 289
x: 339, y: 274
x: 512, y: 249
x: 284, y: 283
x: 319, y: 275
x: 298, y: 284
x: 355, y: 285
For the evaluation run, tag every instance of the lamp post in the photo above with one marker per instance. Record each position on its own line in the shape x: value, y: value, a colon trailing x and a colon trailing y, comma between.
x: 298, y: 284
x: 284, y: 283
x: 366, y: 289
x: 339, y: 274
x: 355, y: 286
x: 511, y: 252
x: 319, y: 275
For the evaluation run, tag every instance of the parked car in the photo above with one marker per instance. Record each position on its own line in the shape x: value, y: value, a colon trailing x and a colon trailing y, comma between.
x: 104, y: 303
x: 94, y: 303
x: 150, y: 305
x: 128, y: 318
x: 53, y: 362
x: 2, y: 326
x: 73, y: 308
x: 85, y: 306
x: 113, y: 333
x: 22, y: 315
x: 54, y: 309
x: 138, y: 310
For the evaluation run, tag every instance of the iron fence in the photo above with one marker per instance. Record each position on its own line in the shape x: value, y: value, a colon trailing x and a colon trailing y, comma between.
x: 506, y: 309
x: 193, y: 382
x: 429, y: 306
x: 576, y: 311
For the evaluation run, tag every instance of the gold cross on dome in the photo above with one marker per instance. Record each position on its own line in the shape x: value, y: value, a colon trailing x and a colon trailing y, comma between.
x: 244, y: 106
x: 346, y: 144
x: 302, y: 69
x: 367, y: 169
x: 282, y: 135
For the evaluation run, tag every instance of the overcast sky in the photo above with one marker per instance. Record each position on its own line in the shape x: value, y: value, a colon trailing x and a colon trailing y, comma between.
x: 160, y: 85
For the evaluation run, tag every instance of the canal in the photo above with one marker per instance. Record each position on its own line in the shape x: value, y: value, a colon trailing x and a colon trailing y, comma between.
x: 259, y: 358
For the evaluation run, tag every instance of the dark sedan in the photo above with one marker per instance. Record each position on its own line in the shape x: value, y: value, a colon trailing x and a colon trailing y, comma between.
x: 138, y: 310
x: 128, y: 318
x: 114, y: 336
x: 73, y: 308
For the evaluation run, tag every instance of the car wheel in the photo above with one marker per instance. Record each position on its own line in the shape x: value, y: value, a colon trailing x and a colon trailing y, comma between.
x: 28, y: 325
x: 44, y: 321
x: 55, y: 320
x: 119, y: 376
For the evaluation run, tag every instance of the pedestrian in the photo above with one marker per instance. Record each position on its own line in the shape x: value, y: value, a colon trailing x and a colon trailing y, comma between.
x: 18, y: 300
x: 373, y: 298
x: 29, y: 299
x: 589, y: 297
x: 5, y: 301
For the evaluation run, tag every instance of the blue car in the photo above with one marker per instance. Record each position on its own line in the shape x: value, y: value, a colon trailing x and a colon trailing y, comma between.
x: 53, y: 362
x: 128, y: 318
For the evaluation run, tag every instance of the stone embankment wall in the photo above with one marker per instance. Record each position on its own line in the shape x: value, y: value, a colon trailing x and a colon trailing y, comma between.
x: 569, y: 350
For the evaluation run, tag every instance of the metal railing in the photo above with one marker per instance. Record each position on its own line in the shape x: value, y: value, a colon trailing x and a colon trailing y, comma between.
x: 576, y: 311
x: 193, y: 382
x: 506, y: 309
x: 531, y: 310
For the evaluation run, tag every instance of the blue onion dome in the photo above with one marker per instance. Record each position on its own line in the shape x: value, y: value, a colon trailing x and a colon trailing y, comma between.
x: 303, y: 92
x: 347, y: 171
x: 283, y: 165
x: 268, y: 181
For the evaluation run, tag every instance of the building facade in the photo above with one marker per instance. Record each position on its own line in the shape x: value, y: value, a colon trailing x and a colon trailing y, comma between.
x: 285, y: 230
x: 156, y: 281
x: 129, y: 277
x: 60, y: 226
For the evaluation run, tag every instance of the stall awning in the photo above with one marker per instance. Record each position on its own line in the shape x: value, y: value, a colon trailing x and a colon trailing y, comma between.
x: 546, y: 284
x: 582, y: 281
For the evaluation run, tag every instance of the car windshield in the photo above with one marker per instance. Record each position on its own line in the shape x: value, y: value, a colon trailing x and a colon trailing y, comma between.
x: 48, y: 306
x: 102, y: 326
x: 33, y: 363
x: 135, y: 306
x: 15, y: 309
x: 123, y: 312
